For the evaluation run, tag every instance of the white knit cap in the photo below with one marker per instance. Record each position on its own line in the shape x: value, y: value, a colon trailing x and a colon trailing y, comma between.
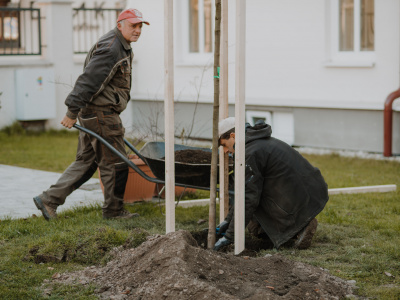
x: 225, y: 125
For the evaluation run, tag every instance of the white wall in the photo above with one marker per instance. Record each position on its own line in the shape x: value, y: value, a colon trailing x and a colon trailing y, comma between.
x: 8, y: 109
x: 287, y: 44
x: 286, y: 57
x: 57, y: 55
x: 149, y: 51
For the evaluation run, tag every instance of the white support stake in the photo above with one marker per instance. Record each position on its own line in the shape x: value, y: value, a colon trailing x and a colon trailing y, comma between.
x: 364, y: 189
x: 223, y: 102
x: 169, y: 117
x: 239, y: 125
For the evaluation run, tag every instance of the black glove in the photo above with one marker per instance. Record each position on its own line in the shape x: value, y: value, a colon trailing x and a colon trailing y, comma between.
x: 222, y: 228
x: 222, y: 242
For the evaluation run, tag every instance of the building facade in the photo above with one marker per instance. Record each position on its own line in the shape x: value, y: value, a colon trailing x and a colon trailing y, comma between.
x: 318, y: 71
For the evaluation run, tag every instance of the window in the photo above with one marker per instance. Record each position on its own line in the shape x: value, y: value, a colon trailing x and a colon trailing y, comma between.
x: 197, y: 27
x: 282, y: 123
x: 352, y: 32
x: 253, y: 116
x: 200, y: 18
x: 9, y: 26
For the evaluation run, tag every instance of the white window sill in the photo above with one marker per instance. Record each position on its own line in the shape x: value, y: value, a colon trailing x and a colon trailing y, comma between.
x: 195, y: 60
x: 349, y: 64
x: 12, y: 61
x: 185, y: 64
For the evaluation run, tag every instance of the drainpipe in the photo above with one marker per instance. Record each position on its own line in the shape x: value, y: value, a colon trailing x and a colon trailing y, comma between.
x: 388, y: 124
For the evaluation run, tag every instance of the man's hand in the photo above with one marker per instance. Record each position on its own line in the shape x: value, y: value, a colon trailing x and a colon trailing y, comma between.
x: 222, y: 228
x: 68, y: 122
x: 222, y: 242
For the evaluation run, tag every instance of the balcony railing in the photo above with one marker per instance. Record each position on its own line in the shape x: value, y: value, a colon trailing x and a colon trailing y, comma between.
x: 20, y: 31
x: 89, y: 24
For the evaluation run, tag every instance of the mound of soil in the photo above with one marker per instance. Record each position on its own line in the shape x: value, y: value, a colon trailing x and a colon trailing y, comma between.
x: 173, y: 266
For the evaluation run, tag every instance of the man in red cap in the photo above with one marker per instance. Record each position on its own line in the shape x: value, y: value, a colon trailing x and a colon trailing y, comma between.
x: 100, y: 94
x: 130, y: 24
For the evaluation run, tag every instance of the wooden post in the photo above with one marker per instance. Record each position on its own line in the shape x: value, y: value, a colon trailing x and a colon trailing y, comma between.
x: 169, y: 117
x: 239, y: 123
x: 214, y: 158
x: 223, y: 113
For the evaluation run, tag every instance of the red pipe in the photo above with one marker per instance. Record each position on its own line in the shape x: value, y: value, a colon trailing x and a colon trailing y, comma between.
x: 388, y: 123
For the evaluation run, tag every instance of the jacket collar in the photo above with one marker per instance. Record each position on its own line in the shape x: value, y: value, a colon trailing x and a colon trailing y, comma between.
x: 122, y: 39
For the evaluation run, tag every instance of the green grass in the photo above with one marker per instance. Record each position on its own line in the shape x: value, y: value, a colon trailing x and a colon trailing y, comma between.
x: 50, y: 151
x: 358, y: 236
x: 32, y: 250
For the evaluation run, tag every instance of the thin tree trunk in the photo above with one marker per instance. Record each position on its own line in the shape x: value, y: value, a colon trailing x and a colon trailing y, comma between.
x: 214, y: 157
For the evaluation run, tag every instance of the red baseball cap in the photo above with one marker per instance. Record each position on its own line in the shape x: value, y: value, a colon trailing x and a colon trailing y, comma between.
x: 132, y: 15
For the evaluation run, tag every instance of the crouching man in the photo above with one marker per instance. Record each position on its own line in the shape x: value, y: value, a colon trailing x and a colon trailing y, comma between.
x: 283, y: 192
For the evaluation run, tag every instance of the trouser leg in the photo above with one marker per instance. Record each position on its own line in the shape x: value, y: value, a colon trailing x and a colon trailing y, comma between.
x: 254, y: 227
x: 113, y: 172
x: 74, y: 176
x: 80, y: 171
x: 256, y: 230
x: 90, y: 154
x: 113, y: 177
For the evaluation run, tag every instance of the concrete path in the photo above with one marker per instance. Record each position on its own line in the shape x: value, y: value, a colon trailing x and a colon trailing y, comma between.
x: 19, y: 185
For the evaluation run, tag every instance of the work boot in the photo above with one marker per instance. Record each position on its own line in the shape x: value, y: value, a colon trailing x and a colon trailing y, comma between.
x: 47, y: 211
x: 305, y: 235
x: 124, y: 214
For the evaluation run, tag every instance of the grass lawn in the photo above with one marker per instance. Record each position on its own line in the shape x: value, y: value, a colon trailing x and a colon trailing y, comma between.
x: 358, y: 237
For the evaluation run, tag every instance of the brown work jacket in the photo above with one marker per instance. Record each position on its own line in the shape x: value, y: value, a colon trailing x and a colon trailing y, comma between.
x: 105, y: 83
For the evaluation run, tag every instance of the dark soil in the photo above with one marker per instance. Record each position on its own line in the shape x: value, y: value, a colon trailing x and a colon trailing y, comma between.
x: 173, y: 266
x: 190, y: 156
x: 193, y: 156
x: 252, y: 244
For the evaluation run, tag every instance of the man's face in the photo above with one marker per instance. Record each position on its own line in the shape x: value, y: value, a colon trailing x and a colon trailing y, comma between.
x: 131, y: 32
x: 228, y: 144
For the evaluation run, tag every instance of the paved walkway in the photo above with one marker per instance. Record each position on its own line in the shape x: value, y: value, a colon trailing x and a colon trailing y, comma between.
x: 19, y: 185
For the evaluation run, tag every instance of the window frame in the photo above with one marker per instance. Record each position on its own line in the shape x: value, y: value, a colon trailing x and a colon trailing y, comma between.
x: 251, y: 114
x: 10, y: 42
x: 337, y: 58
x: 282, y: 123
x: 184, y: 56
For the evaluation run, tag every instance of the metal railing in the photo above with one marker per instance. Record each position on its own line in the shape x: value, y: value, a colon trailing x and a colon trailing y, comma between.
x: 89, y: 24
x: 20, y: 31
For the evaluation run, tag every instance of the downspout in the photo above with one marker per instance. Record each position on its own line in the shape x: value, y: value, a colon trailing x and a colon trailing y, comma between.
x: 388, y: 119
x: 388, y: 123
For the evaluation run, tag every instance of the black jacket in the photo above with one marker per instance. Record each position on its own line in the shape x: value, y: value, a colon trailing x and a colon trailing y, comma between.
x: 106, y: 79
x: 285, y: 193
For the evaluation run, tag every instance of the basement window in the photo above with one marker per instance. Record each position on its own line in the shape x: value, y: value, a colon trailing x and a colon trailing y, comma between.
x: 253, y: 116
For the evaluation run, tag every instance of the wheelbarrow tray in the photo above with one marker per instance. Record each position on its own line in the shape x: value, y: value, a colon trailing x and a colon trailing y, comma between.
x: 185, y: 173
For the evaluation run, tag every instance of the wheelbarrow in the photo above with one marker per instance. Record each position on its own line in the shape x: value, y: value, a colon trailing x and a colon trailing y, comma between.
x: 187, y: 175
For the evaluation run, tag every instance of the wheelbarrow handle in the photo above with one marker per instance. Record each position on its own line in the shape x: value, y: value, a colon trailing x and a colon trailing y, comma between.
x: 131, y: 164
x: 130, y: 146
x: 121, y: 156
